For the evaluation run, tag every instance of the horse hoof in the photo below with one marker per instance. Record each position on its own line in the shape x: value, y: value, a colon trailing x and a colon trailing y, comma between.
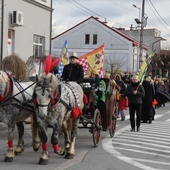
x: 18, y: 150
x: 36, y: 146
x: 43, y: 161
x: 35, y: 149
x: 8, y: 159
x: 17, y: 153
x: 69, y: 156
x: 61, y: 153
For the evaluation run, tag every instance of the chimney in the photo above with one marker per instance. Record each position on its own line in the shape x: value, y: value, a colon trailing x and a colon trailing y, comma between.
x: 131, y: 27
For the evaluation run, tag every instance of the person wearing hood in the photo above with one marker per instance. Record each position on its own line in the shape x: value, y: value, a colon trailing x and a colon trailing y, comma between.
x: 147, y: 100
x: 73, y: 71
x: 135, y: 92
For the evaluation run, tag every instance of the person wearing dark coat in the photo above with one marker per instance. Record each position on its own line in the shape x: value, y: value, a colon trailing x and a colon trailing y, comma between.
x: 120, y: 83
x: 147, y: 100
x: 122, y: 87
x: 73, y: 71
x: 135, y: 92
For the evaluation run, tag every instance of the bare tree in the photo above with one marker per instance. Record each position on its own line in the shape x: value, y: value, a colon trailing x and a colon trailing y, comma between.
x: 112, y: 63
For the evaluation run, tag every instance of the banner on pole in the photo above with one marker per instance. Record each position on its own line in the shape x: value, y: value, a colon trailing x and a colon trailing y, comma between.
x: 64, y: 58
x: 93, y: 60
x: 144, y: 67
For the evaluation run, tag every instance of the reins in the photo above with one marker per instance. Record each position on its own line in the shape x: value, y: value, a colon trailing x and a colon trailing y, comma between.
x: 22, y: 91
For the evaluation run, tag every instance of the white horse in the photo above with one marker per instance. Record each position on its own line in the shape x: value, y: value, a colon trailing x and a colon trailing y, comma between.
x: 14, y: 110
x: 58, y: 103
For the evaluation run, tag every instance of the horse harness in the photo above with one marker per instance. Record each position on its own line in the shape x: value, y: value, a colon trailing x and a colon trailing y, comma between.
x: 8, y: 92
x: 9, y: 95
x: 57, y: 97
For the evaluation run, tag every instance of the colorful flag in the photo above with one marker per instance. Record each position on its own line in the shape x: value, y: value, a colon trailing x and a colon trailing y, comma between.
x: 93, y: 60
x: 64, y: 58
x: 144, y: 67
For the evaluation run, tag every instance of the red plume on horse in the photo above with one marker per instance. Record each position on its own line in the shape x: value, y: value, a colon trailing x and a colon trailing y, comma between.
x: 49, y: 64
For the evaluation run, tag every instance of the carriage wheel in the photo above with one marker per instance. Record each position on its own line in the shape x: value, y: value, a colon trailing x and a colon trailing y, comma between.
x: 96, y: 127
x: 113, y: 126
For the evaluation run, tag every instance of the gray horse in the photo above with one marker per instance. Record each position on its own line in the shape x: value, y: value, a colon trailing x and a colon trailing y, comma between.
x: 12, y: 112
x: 59, y: 105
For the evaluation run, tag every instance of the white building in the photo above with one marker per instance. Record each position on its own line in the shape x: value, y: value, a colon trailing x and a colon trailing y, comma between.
x: 151, y: 37
x: 92, y: 33
x: 25, y: 27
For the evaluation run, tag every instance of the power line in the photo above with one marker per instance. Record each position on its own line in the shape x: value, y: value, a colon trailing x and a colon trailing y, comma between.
x: 91, y: 12
x: 158, y: 13
x: 88, y: 9
x: 77, y: 8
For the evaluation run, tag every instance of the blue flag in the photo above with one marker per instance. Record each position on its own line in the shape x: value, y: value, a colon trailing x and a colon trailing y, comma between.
x: 64, y: 58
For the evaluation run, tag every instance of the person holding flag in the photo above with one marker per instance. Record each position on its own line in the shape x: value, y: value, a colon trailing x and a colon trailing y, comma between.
x: 73, y: 71
x: 135, y: 92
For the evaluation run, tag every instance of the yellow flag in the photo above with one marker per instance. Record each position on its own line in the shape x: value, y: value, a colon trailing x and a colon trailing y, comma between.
x: 93, y: 60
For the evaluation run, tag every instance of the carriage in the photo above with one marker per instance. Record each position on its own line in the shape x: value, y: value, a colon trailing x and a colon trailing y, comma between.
x: 54, y: 102
x: 98, y: 116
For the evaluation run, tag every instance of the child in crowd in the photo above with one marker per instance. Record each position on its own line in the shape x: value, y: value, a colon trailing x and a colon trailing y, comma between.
x: 122, y: 106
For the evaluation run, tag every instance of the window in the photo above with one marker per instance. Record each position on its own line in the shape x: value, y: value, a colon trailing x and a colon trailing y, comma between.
x: 87, y: 38
x: 94, y: 38
x: 38, y: 45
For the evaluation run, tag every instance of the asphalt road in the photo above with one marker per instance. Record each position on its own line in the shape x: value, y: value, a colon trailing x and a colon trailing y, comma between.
x: 148, y: 149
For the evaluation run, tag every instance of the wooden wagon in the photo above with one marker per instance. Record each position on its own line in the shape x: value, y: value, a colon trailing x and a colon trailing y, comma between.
x: 98, y: 116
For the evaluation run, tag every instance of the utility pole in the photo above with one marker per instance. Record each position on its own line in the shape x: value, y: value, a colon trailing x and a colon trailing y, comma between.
x: 141, y: 34
x: 2, y: 32
x: 51, y: 10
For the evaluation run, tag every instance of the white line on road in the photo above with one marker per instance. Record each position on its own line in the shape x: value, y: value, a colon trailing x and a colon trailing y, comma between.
x: 149, y: 161
x: 108, y: 146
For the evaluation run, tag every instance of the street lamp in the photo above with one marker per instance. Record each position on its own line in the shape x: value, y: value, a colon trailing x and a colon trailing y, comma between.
x: 137, y: 20
x: 138, y: 9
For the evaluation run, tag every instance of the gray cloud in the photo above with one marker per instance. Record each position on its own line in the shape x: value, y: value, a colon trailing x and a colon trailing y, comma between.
x: 118, y: 13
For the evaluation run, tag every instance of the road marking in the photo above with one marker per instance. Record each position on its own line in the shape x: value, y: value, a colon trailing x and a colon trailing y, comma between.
x: 107, y: 145
x: 148, y: 152
x: 141, y: 142
x: 150, y: 161
x: 127, y: 141
x: 127, y: 116
x: 125, y: 138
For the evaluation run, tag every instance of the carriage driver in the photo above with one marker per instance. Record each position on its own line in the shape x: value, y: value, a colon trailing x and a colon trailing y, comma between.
x: 73, y: 71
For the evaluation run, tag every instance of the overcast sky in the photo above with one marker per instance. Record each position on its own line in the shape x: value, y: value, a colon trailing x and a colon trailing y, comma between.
x: 118, y: 13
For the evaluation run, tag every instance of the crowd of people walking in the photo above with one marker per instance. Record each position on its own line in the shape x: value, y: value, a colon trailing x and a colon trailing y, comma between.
x: 142, y: 99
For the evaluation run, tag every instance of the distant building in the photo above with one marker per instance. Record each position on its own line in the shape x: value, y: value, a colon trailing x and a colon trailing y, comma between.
x: 151, y: 37
x: 120, y: 49
x: 25, y: 27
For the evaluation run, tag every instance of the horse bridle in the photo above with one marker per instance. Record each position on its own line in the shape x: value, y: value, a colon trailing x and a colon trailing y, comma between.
x: 42, y: 87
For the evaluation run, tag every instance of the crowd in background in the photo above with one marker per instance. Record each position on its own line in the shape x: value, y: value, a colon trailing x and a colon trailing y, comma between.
x: 143, y: 98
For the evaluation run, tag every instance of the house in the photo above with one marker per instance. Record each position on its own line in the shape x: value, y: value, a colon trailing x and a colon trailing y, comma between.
x: 25, y: 27
x: 151, y: 37
x: 120, y: 49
